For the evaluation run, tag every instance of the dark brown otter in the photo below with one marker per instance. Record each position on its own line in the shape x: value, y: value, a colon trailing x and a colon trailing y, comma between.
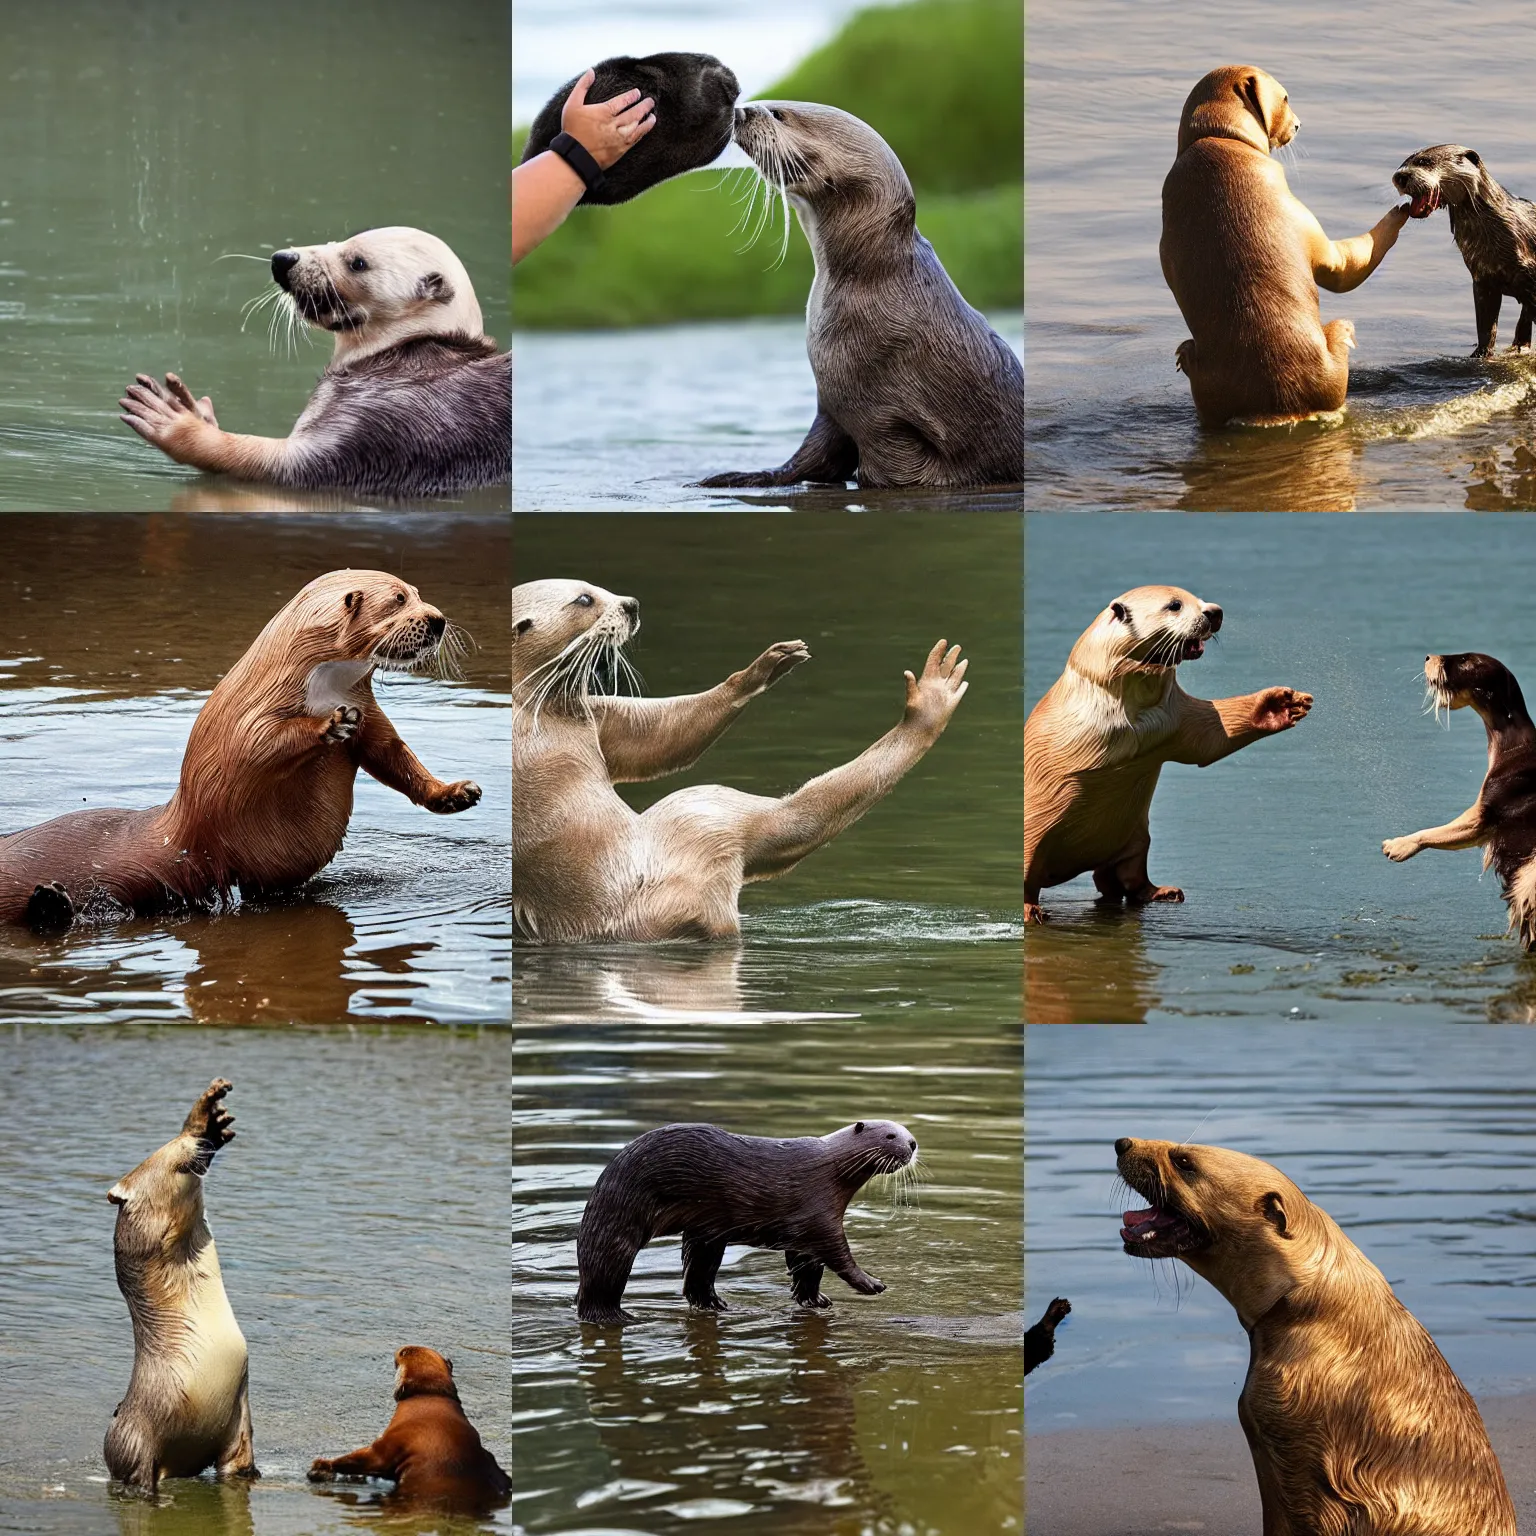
x: 1502, y: 820
x: 714, y: 1187
x: 430, y: 1451
x: 695, y: 97
x: 1494, y: 231
x: 1040, y: 1341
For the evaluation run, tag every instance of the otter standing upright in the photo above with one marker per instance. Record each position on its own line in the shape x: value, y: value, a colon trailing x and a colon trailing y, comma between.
x: 188, y: 1404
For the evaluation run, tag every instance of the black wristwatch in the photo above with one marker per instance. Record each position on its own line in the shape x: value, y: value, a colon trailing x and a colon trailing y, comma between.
x: 577, y: 157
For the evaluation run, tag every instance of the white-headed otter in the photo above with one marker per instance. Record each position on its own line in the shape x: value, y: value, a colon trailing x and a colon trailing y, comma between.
x: 1096, y: 743
x: 187, y: 1406
x: 416, y: 400
x: 913, y: 387
x: 430, y: 1451
x: 1502, y: 820
x: 1357, y: 1425
x: 586, y: 866
x: 265, y: 793
x: 1494, y: 230
x: 717, y: 1188
x: 695, y: 96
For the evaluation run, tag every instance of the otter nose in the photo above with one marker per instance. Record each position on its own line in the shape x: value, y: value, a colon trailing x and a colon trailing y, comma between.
x: 1212, y: 612
x: 912, y: 1143
x: 1123, y: 1146
x: 283, y: 262
x: 436, y: 625
x: 631, y: 606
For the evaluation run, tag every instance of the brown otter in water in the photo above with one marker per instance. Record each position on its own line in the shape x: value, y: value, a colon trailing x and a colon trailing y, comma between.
x: 416, y: 400
x: 1357, y: 1425
x: 1502, y: 820
x: 187, y: 1406
x: 716, y: 1188
x: 1494, y: 231
x: 430, y: 1450
x: 266, y: 781
x: 695, y: 96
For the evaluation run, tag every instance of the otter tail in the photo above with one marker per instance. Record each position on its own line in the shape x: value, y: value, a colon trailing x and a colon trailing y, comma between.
x: 1521, y: 896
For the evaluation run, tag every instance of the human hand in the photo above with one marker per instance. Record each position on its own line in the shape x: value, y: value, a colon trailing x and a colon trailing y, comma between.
x: 607, y: 130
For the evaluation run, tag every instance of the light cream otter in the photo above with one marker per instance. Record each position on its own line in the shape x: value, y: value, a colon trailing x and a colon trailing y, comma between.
x: 1096, y: 743
x: 586, y: 866
x: 1245, y: 259
x: 1357, y: 1425
x: 187, y: 1406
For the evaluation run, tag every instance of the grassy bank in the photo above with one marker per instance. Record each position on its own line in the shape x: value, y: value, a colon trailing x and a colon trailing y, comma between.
x: 939, y: 79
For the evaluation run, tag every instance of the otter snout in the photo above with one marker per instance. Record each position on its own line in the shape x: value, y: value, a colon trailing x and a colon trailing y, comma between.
x: 1211, y: 612
x: 1123, y: 1145
x: 283, y: 262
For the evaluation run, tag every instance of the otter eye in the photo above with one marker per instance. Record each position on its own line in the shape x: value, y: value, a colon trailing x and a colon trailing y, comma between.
x: 775, y: 114
x: 357, y: 264
x: 584, y: 601
x: 1183, y: 1162
x: 859, y: 1127
x: 400, y: 599
x: 1175, y: 606
x: 890, y: 1135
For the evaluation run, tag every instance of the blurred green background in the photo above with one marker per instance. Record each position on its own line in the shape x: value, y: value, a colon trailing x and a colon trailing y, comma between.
x: 941, y: 80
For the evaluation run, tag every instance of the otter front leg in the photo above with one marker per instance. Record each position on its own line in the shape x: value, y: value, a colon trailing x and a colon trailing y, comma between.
x: 370, y: 1461
x: 828, y: 456
x: 1522, y: 341
x: 805, y: 1279
x: 1466, y: 831
x: 384, y: 755
x: 604, y: 1265
x: 1487, y: 301
x: 1211, y: 729
x: 186, y: 430
x: 701, y: 1263
x: 836, y: 1255
x: 238, y: 1458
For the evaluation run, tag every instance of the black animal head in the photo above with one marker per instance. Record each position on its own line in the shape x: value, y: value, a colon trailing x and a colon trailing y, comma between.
x: 695, y: 98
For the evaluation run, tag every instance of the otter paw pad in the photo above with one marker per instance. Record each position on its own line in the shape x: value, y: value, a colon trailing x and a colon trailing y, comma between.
x: 344, y: 723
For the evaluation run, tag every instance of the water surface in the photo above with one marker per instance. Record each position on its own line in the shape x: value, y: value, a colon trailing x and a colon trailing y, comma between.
x: 1111, y: 422
x: 1291, y: 909
x: 115, y: 631
x: 359, y: 1208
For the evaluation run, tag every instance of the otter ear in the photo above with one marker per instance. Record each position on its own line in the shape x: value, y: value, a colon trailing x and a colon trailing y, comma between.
x: 1272, y: 1208
x: 353, y: 602
x: 1475, y: 158
x: 436, y: 287
x: 1119, y: 611
x: 449, y: 1364
x: 1250, y: 94
x: 859, y: 1126
x: 523, y: 626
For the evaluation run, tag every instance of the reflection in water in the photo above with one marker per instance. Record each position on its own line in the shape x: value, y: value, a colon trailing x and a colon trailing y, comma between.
x: 1092, y: 971
x: 115, y: 629
x: 1313, y: 466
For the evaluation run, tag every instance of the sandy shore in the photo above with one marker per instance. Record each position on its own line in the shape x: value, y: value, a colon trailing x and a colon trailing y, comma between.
x: 1198, y: 1477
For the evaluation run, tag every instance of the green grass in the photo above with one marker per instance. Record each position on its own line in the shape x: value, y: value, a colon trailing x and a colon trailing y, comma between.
x: 942, y: 82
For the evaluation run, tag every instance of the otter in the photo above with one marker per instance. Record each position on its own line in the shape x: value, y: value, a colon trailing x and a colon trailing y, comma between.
x: 430, y: 1450
x: 188, y: 1404
x: 695, y: 96
x: 717, y: 1188
x: 265, y: 792
x: 1040, y: 1339
x: 1355, y: 1421
x: 913, y: 387
x: 587, y: 867
x: 1502, y: 820
x: 1494, y: 231
x: 1244, y: 259
x: 1096, y: 743
x: 416, y: 400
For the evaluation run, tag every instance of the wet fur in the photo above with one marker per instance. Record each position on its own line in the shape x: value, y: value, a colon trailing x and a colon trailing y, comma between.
x: 1040, y: 1340
x: 1494, y: 231
x: 913, y: 387
x: 587, y: 867
x: 430, y: 1450
x: 187, y: 1406
x: 695, y: 97
x: 1357, y: 1425
x: 265, y: 791
x: 716, y: 1188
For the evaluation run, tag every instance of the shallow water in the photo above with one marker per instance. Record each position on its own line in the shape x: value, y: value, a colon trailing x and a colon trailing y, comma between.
x: 1417, y: 1144
x: 358, y: 1209
x: 143, y: 146
x: 616, y: 420
x: 115, y: 631
x: 1111, y: 422
x: 1291, y: 909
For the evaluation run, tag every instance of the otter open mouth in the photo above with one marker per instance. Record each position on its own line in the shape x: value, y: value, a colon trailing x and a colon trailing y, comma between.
x: 326, y: 312
x: 1424, y: 204
x: 1158, y: 1233
x: 1193, y: 648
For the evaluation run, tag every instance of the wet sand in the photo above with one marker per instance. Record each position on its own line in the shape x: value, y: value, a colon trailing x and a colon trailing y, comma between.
x: 1199, y: 1477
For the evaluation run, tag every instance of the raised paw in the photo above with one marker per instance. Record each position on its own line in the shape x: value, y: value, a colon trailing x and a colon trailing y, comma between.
x: 454, y: 797
x: 936, y: 695
x: 1054, y: 1313
x: 1278, y: 709
x: 345, y: 721
x: 781, y: 657
x: 209, y: 1120
x: 1399, y: 848
x: 167, y: 415
x: 50, y: 909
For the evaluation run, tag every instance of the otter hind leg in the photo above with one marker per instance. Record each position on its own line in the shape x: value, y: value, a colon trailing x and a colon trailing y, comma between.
x: 129, y: 1455
x: 1107, y: 884
x: 1487, y: 301
x: 701, y: 1263
x: 50, y: 909
x: 1131, y: 872
x: 1522, y: 341
x: 238, y: 1458
x: 805, y: 1279
x: 828, y: 456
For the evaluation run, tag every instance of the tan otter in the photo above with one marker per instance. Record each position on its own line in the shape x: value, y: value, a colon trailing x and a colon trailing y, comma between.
x: 1357, y: 1425
x: 430, y: 1451
x: 1096, y: 743
x: 586, y: 866
x: 266, y: 781
x: 187, y: 1406
x: 416, y: 399
x: 1245, y: 258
